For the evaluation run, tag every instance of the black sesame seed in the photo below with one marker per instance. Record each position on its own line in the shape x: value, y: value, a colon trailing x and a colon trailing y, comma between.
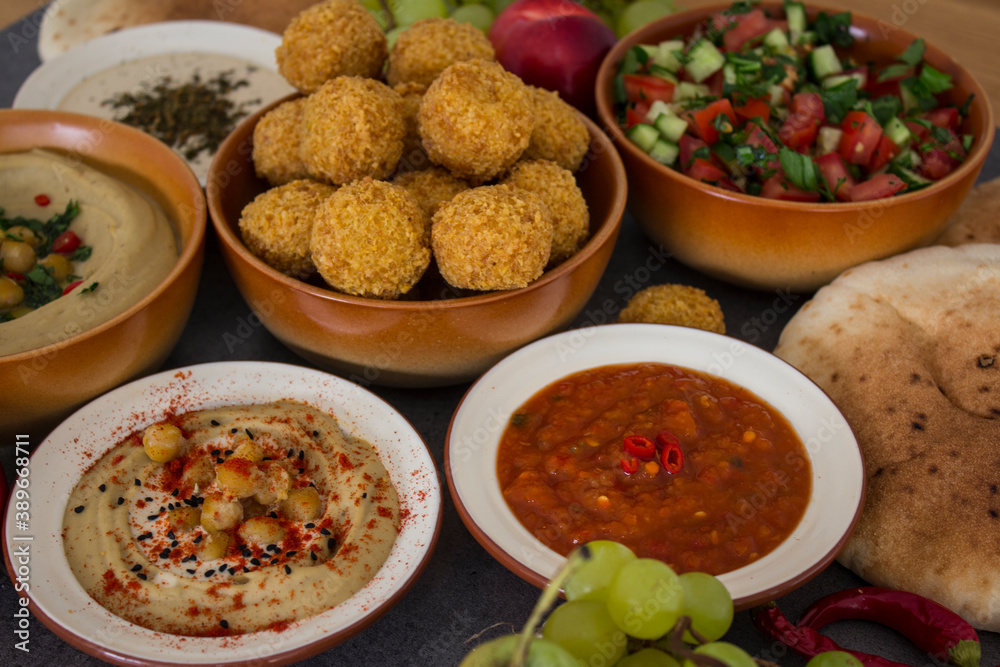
x: 274, y: 561
x: 249, y: 434
x: 288, y: 570
x: 120, y: 500
x: 175, y: 492
x: 136, y: 567
x: 312, y: 554
x: 290, y: 452
x: 315, y: 434
x: 255, y: 561
x: 233, y: 430
x: 209, y: 573
x: 162, y: 509
x: 273, y: 515
x: 174, y: 544
x: 272, y: 547
x: 190, y: 571
x: 364, y: 495
x: 142, y: 575
x: 138, y: 482
x: 103, y: 487
x: 214, y: 423
x: 78, y: 509
x: 190, y: 558
x: 152, y: 517
x: 267, y: 458
x: 302, y: 454
x: 224, y: 623
x: 141, y: 538
x: 228, y: 452
x: 148, y: 499
x: 165, y: 554
x: 220, y: 461
x: 331, y: 543
x: 197, y: 540
x: 171, y: 535
x: 325, y: 531
x: 246, y: 569
x: 289, y: 554
x: 310, y: 525
x: 247, y: 553
x: 170, y: 506
x: 216, y: 452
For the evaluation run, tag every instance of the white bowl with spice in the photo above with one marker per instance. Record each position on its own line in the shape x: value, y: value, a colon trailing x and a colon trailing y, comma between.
x: 93, y: 475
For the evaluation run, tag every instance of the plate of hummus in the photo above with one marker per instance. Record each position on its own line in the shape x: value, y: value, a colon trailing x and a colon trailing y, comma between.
x: 227, y: 513
x: 186, y: 82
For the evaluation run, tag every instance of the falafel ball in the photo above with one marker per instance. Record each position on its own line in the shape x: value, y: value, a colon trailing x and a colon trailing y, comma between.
x: 330, y: 39
x: 371, y: 238
x: 276, y: 140
x: 414, y: 156
x: 427, y: 47
x: 559, y: 133
x: 557, y: 189
x: 433, y: 187
x: 476, y: 120
x: 675, y: 304
x: 276, y: 225
x: 354, y: 128
x: 493, y: 237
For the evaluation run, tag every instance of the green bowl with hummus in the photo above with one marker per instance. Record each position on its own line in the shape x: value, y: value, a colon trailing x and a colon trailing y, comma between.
x: 127, y: 583
x: 116, y: 311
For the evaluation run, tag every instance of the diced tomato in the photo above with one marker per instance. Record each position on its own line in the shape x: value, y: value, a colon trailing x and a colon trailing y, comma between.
x: 703, y: 170
x: 648, y: 88
x: 720, y: 21
x: 747, y: 26
x: 936, y: 163
x: 777, y: 187
x: 835, y: 173
x: 66, y: 243
x: 946, y: 117
x: 884, y: 151
x: 754, y: 107
x: 861, y: 136
x: 688, y: 145
x: 800, y: 128
x: 632, y: 118
x: 715, y: 83
x: 809, y: 104
x: 918, y: 130
x: 878, y: 186
x: 702, y: 121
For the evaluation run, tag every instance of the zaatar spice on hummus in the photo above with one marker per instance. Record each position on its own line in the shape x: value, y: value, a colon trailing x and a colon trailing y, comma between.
x: 231, y: 520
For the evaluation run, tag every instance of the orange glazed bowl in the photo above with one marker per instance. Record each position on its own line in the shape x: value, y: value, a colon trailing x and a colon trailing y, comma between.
x: 408, y: 342
x: 80, y: 360
x: 768, y: 244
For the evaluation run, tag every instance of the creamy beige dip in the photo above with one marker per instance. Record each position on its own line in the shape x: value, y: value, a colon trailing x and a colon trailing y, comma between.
x: 134, y: 244
x: 263, y: 86
x: 122, y: 548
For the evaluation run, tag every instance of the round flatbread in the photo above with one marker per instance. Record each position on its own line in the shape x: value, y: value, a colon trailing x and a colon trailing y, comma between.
x: 909, y: 350
x: 977, y: 220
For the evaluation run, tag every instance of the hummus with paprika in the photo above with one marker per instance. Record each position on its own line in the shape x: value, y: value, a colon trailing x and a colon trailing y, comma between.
x: 133, y: 243
x: 231, y: 520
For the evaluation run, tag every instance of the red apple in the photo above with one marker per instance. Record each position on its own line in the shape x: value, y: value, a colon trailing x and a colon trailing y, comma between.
x: 553, y: 44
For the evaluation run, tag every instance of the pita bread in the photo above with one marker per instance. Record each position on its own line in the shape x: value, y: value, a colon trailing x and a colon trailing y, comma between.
x: 977, y: 220
x: 909, y: 350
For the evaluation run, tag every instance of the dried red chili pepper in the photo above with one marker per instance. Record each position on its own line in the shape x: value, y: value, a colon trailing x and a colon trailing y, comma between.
x: 640, y: 446
x: 671, y: 456
x: 804, y: 640
x: 930, y: 626
x: 630, y: 466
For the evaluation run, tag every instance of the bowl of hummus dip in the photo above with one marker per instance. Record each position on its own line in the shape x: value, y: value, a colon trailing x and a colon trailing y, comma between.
x: 103, y: 233
x: 227, y: 513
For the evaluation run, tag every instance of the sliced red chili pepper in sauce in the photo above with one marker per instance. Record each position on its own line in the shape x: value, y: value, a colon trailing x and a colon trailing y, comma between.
x: 640, y: 446
x: 630, y: 466
x: 672, y: 456
x: 42, y: 200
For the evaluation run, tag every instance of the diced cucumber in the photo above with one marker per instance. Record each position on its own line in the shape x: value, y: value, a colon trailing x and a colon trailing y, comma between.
x: 729, y: 74
x: 704, y: 60
x: 795, y: 12
x: 659, y: 107
x: 908, y: 159
x: 967, y: 141
x: 912, y: 179
x: 897, y: 132
x: 824, y: 62
x: 910, y: 100
x: 828, y: 139
x: 776, y: 40
x: 808, y: 37
x: 837, y: 79
x: 666, y: 54
x: 777, y: 94
x: 664, y: 152
x: 686, y: 90
x: 650, y: 52
x: 662, y: 73
x: 643, y: 136
x: 671, y: 127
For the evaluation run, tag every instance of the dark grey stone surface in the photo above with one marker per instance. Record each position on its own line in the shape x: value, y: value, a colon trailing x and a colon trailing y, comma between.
x: 463, y: 591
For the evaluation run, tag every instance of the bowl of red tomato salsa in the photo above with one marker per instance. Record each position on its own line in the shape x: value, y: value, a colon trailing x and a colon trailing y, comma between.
x: 700, y: 450
x: 776, y: 145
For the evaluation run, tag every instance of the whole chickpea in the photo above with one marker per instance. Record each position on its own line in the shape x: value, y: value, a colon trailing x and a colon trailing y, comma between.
x: 162, y: 442
x: 17, y: 256
x: 11, y: 294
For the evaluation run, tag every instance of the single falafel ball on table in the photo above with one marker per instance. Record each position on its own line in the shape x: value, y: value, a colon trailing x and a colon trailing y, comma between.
x: 330, y: 39
x: 559, y: 134
x: 675, y: 304
x: 354, y: 128
x: 276, y: 141
x: 557, y: 189
x: 476, y: 120
x: 429, y: 46
x: 493, y: 237
x: 276, y: 225
x: 372, y: 239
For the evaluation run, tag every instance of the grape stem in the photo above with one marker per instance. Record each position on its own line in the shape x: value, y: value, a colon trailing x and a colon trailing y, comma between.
x: 391, y: 20
x: 675, y: 640
x: 548, y: 597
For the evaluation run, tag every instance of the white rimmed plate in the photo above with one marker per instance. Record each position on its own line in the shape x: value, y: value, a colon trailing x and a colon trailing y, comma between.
x: 120, y: 62
x: 838, y: 483
x: 57, y: 463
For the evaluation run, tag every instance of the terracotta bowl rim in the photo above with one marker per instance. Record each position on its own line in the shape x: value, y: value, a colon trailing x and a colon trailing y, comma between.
x: 232, y: 242
x: 972, y: 163
x: 143, y: 144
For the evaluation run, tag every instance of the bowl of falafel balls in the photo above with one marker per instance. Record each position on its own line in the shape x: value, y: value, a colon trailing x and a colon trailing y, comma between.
x: 417, y: 213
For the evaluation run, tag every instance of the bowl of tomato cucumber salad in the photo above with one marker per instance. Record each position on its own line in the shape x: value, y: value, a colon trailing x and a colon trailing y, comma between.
x: 776, y: 145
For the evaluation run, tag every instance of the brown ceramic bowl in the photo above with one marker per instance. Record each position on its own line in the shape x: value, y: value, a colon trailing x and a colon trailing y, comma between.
x: 412, y: 343
x: 767, y: 244
x: 44, y: 385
